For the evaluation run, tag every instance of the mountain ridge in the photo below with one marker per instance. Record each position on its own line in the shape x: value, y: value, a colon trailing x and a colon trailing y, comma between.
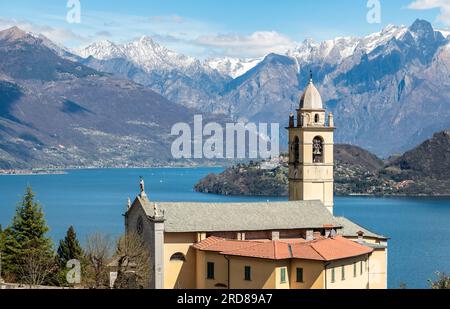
x: 389, y: 77
x: 57, y: 113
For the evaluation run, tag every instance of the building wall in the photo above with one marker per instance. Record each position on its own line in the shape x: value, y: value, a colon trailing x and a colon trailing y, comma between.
x: 148, y: 235
x: 361, y: 281
x: 278, y: 283
x: 378, y: 269
x: 313, y: 274
x: 378, y: 266
x: 264, y: 273
x: 220, y: 270
x: 179, y: 274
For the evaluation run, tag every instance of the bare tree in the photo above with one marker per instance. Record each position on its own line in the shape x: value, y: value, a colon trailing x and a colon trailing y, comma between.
x: 97, y: 253
x: 35, y: 268
x: 133, y: 263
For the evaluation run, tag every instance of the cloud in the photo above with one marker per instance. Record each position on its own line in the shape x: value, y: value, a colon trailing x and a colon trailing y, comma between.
x: 57, y: 35
x: 183, y: 35
x: 442, y: 5
x: 257, y: 44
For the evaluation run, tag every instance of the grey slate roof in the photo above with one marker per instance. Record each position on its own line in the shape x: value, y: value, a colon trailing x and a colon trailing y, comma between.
x: 224, y: 217
x: 350, y: 229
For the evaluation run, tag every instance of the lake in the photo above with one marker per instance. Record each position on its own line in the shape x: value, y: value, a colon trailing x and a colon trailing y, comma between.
x: 94, y: 201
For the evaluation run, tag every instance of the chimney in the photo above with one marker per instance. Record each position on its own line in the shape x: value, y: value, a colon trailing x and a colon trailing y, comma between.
x: 360, y: 236
x: 309, y: 235
x: 328, y: 228
x: 275, y: 235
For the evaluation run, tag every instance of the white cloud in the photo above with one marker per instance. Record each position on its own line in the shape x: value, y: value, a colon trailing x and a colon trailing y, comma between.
x: 443, y: 5
x: 192, y: 37
x: 57, y: 35
x: 256, y: 44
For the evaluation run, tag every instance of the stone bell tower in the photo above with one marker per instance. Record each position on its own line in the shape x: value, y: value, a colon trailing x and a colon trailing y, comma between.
x: 311, y: 161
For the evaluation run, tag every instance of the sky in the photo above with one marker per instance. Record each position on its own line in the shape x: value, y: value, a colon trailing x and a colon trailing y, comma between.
x: 216, y: 28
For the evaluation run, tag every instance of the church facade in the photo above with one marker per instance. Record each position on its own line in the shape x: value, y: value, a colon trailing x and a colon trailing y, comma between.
x: 298, y: 244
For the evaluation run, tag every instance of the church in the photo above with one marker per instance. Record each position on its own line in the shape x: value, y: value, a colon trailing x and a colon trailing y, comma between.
x: 298, y: 244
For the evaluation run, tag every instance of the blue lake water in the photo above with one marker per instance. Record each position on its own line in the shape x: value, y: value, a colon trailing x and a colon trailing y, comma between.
x: 94, y: 201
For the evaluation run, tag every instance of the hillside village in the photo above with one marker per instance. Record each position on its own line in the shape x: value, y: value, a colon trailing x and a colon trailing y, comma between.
x: 357, y: 172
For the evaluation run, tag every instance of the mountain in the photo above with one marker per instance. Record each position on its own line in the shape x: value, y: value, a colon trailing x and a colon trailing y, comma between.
x: 420, y: 171
x: 55, y: 112
x: 232, y: 67
x: 430, y: 159
x: 383, y: 88
x: 177, y: 77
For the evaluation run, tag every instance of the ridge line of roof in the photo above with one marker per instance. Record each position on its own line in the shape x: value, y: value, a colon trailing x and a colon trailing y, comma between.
x: 361, y: 226
x: 312, y: 247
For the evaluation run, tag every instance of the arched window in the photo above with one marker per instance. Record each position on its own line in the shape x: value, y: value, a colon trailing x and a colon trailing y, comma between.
x: 296, y: 149
x: 221, y: 286
x: 318, y: 150
x: 317, y: 118
x: 178, y: 257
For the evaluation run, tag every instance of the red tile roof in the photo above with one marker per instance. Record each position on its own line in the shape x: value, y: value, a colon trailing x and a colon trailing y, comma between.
x: 322, y: 249
x: 217, y: 244
x: 339, y: 248
x: 273, y: 250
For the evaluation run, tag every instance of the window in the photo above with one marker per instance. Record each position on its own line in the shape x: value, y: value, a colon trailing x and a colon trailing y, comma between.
x: 316, y: 118
x: 300, y: 275
x: 296, y: 149
x: 333, y: 275
x: 343, y: 273
x: 178, y: 257
x: 210, y: 270
x: 283, y: 275
x: 140, y: 226
x: 318, y: 150
x: 354, y: 270
x: 248, y: 273
x: 362, y: 268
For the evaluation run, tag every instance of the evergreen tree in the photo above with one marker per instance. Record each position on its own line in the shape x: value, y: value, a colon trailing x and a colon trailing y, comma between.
x: 69, y: 248
x: 2, y: 238
x: 28, y: 255
x: 2, y: 247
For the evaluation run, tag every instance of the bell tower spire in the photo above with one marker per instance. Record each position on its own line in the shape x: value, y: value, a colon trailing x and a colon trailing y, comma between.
x: 311, y: 143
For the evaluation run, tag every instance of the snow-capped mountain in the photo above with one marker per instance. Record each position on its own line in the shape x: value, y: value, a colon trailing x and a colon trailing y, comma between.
x: 335, y: 51
x: 144, y: 52
x: 372, y: 82
x: 150, y: 56
x: 444, y: 32
x: 233, y: 67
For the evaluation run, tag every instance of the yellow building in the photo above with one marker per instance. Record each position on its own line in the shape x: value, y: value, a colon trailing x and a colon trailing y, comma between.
x: 297, y: 244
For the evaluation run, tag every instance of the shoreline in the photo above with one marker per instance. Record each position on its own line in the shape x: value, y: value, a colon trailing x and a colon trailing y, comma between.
x: 31, y: 173
x: 342, y: 195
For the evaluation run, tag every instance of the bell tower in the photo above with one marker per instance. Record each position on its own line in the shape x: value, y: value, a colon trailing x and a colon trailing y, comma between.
x: 311, y: 143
